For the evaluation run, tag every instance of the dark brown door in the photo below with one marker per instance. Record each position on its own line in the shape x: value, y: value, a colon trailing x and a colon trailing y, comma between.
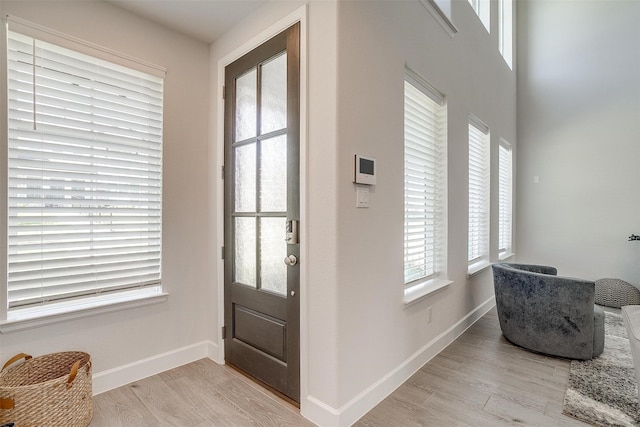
x: 262, y: 212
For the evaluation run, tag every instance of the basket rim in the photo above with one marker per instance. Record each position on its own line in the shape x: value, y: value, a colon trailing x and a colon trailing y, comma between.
x: 4, y: 373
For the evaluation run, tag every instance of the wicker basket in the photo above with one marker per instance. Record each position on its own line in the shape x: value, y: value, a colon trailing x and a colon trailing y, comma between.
x: 50, y: 390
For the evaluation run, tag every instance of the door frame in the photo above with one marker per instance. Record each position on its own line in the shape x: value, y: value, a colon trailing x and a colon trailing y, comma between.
x: 298, y: 15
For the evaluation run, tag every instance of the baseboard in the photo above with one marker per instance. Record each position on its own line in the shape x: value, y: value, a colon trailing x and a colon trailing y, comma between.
x: 122, y: 375
x: 311, y: 408
x: 352, y: 411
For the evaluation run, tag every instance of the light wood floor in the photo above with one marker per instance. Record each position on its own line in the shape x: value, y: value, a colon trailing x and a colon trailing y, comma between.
x: 479, y: 380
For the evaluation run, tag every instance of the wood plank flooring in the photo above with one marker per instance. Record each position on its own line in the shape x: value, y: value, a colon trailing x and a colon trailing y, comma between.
x: 479, y: 380
x: 199, y: 394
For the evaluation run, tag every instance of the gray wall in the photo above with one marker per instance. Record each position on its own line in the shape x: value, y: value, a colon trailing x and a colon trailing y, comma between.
x: 579, y: 133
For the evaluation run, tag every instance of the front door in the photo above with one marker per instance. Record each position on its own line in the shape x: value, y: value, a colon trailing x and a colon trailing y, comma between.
x: 262, y: 213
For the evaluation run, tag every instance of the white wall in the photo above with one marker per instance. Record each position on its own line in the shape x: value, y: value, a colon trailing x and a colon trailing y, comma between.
x: 377, y: 334
x: 579, y: 132
x: 319, y: 370
x: 359, y: 341
x: 128, y: 336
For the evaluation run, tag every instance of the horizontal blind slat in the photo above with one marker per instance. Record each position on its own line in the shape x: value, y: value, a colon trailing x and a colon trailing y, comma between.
x: 27, y: 138
x: 64, y: 255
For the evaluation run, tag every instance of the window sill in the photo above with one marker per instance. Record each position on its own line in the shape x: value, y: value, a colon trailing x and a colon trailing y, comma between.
x: 477, y: 268
x: 505, y: 256
x: 420, y: 291
x: 42, y: 315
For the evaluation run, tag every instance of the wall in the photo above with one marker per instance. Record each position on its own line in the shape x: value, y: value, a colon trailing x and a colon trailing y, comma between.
x: 359, y: 340
x: 181, y: 326
x: 381, y: 340
x: 318, y: 294
x: 578, y: 131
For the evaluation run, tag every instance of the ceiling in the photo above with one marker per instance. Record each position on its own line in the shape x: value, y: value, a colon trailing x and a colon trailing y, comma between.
x: 204, y: 20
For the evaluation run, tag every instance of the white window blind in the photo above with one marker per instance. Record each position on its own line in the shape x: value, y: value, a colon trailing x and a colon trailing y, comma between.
x: 505, y: 206
x: 424, y: 180
x: 505, y: 30
x: 84, y: 174
x: 478, y: 238
x: 483, y: 10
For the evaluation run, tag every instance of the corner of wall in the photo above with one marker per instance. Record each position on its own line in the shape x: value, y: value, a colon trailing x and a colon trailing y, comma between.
x: 135, y: 371
x: 325, y: 415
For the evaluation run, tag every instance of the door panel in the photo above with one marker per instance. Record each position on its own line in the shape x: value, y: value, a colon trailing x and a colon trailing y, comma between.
x: 265, y: 333
x: 262, y: 312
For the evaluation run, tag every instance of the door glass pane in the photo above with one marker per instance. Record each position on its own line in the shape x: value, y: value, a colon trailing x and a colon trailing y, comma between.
x: 245, y: 178
x: 245, y: 251
x: 273, y: 249
x: 246, y: 101
x: 273, y: 115
x: 273, y: 174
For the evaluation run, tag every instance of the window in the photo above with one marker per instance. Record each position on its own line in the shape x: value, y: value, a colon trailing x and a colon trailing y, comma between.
x: 505, y: 30
x: 424, y: 183
x: 505, y: 205
x: 478, y: 237
x: 483, y: 10
x: 84, y: 189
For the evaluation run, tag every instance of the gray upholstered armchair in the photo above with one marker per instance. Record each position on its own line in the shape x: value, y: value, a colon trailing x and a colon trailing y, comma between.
x: 545, y: 313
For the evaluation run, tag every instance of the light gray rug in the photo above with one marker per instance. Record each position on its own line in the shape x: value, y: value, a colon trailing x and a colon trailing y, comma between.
x: 603, y: 391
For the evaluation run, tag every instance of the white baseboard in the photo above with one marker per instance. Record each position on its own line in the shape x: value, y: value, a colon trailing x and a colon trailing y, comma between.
x: 319, y: 412
x: 122, y: 375
x: 352, y: 411
x: 311, y: 407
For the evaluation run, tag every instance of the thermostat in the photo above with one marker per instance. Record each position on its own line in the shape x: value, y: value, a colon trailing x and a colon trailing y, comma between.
x: 365, y: 170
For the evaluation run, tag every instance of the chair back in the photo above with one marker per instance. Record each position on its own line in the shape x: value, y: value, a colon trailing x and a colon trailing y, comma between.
x: 544, y: 312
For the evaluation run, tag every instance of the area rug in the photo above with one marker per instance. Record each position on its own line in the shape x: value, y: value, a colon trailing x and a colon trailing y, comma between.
x: 603, y: 391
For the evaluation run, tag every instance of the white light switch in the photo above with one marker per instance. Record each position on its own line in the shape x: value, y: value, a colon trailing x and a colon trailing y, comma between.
x: 536, y: 179
x: 362, y: 197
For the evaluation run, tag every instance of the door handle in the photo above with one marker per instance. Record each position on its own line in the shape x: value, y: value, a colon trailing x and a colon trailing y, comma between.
x: 291, y: 260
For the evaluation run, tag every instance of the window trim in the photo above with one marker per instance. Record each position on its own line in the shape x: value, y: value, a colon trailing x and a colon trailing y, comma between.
x: 504, y: 253
x: 33, y: 317
x: 440, y: 16
x: 482, y: 9
x: 422, y: 286
x: 424, y: 289
x: 480, y: 262
x: 67, y: 41
x: 506, y: 34
x: 36, y: 315
x: 4, y: 146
